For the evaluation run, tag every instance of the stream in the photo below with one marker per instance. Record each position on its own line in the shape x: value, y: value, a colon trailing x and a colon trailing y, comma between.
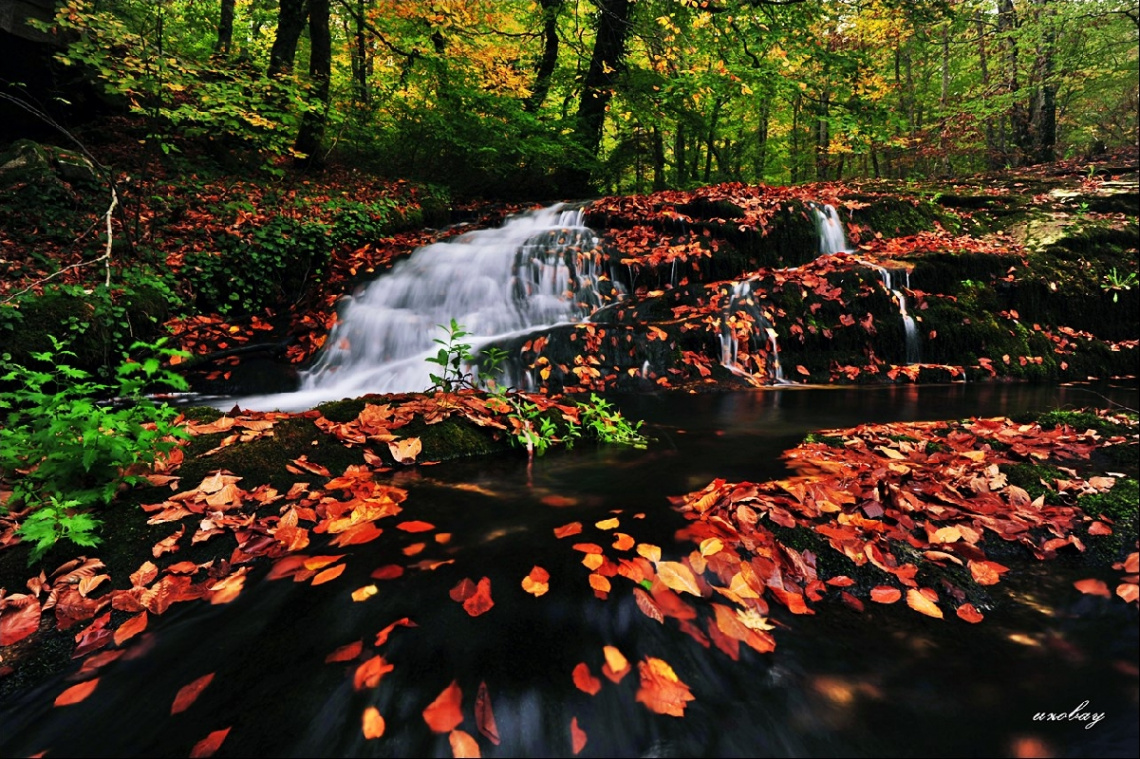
x: 887, y: 682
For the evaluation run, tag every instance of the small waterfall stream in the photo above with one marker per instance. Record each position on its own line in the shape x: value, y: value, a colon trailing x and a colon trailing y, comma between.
x: 832, y: 238
x: 913, y: 351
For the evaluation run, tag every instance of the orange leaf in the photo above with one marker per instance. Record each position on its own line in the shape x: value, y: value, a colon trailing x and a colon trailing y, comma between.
x: 1129, y: 591
x: 918, y: 601
x: 599, y: 582
x: 209, y: 745
x: 405, y: 451
x: 346, y: 652
x: 537, y: 582
x: 1099, y: 528
x: 480, y: 602
x: 986, y: 572
x: 387, y: 572
x: 885, y: 594
x: 567, y: 530
x: 463, y: 590
x: 19, y: 618
x: 678, y: 577
x: 608, y: 524
x: 415, y: 525
x: 484, y: 717
x: 648, y: 606
x: 623, y: 542
x: 329, y: 574
x: 364, y: 593
x: 463, y: 746
x: 970, y: 614
x: 188, y: 694
x: 584, y: 680
x: 443, y: 715
x: 1093, y: 587
x: 76, y: 693
x: 373, y: 723
x: 648, y: 551
x: 577, y: 736
x: 661, y: 690
x: 382, y: 636
x: 368, y: 674
x: 616, y: 666
x: 803, y: 370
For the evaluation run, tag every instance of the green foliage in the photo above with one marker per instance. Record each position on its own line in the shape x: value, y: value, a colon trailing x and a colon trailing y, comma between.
x: 1115, y: 282
x: 65, y: 448
x: 271, y: 266
x: 1118, y: 504
x: 606, y: 424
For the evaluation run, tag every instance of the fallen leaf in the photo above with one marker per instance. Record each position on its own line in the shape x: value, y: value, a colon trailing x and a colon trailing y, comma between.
x: 970, y: 614
x: 885, y: 594
x: 986, y: 572
x: 209, y: 745
x: 415, y: 525
x: 443, y: 715
x: 480, y: 601
x: 188, y: 694
x: 373, y: 723
x: 678, y: 577
x: 1093, y: 587
x: 584, y: 680
x: 577, y: 736
x: 661, y: 690
x: 567, y: 530
x: 537, y: 582
x: 484, y: 716
x: 648, y: 606
x: 347, y: 652
x: 19, y: 618
x: 76, y: 693
x: 918, y: 601
x: 387, y: 572
x: 382, y: 636
x: 616, y: 666
x: 405, y: 451
x: 608, y: 524
x: 364, y: 593
x: 463, y: 746
x: 368, y: 674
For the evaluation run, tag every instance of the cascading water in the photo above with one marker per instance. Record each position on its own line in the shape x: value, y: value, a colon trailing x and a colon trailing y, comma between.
x: 913, y: 351
x: 832, y: 238
x: 539, y: 269
x: 742, y: 307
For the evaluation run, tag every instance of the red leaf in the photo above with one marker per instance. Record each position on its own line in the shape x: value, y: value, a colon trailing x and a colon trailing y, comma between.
x: 415, y: 525
x: 803, y: 370
x: 210, y: 744
x: 130, y: 628
x: 382, y: 636
x: 484, y: 717
x: 577, y: 736
x: 480, y: 601
x: 885, y: 594
x: 918, y: 601
x: 1093, y: 587
x: 443, y: 715
x: 463, y: 590
x: 387, y: 572
x: 584, y: 680
x: 968, y: 613
x: 329, y: 574
x: 368, y: 674
x: 346, y: 653
x: 19, y: 618
x: 661, y: 690
x: 76, y: 693
x: 567, y: 530
x: 188, y: 694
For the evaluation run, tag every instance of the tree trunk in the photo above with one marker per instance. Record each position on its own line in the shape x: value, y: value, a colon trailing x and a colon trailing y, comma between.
x: 679, y: 156
x: 1043, y: 110
x: 658, y: 161
x: 549, y: 59
x: 320, y: 70
x: 225, y: 28
x: 360, y: 59
x: 1018, y: 119
x: 290, y: 23
x: 991, y: 141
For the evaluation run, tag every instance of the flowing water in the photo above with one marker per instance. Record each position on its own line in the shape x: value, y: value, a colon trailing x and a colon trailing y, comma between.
x: 913, y: 346
x: 832, y: 237
x: 888, y: 682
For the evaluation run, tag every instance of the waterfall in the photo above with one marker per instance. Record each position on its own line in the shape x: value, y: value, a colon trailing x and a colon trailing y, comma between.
x: 832, y: 238
x: 913, y: 353
x: 741, y: 300
x: 539, y: 269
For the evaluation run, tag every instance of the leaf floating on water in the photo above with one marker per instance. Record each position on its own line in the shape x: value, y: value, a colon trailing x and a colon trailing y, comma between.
x: 608, y: 524
x: 463, y: 590
x: 1093, y: 587
x: 329, y: 574
x: 463, y: 746
x: 986, y: 572
x: 480, y: 601
x: 885, y: 594
x: 347, y: 652
x: 968, y: 613
x: 577, y: 736
x: 647, y: 551
x: 387, y: 572
x: 558, y: 501
x: 567, y: 530
x: 537, y: 582
x: 648, y: 606
x: 661, y: 690
x: 364, y: 593
x: 209, y: 745
x: 918, y: 601
x: 188, y: 694
x: 600, y: 583
x: 368, y: 674
x: 373, y: 723
x: 484, y: 716
x: 382, y: 636
x: 616, y: 666
x: 443, y: 715
x: 228, y: 588
x: 678, y: 577
x: 76, y: 693
x: 584, y: 680
x: 415, y: 525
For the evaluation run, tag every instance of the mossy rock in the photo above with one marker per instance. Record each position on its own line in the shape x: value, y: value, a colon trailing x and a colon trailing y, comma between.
x: 894, y: 216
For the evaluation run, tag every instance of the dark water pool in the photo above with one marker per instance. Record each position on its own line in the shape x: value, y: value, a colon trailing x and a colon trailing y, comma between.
x: 887, y: 682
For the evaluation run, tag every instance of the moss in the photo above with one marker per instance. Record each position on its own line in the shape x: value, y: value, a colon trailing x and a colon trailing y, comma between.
x: 1077, y: 420
x: 828, y: 440
x: 1035, y: 479
x: 1118, y: 503
x: 342, y: 411
x: 895, y: 216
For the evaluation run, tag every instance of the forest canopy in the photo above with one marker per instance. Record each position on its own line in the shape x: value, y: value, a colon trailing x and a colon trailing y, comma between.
x: 567, y: 96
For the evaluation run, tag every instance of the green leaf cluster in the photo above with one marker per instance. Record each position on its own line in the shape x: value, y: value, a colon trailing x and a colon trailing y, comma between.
x: 69, y: 444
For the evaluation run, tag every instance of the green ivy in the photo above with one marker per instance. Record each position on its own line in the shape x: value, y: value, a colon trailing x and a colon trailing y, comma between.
x: 66, y: 449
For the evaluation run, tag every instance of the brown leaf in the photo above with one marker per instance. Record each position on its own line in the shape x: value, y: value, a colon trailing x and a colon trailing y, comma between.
x: 373, y: 723
x: 209, y: 745
x: 76, y: 693
x: 405, y: 451
x: 480, y: 601
x: 661, y: 690
x: 444, y: 714
x: 168, y: 544
x: 648, y: 606
x: 188, y: 694
x: 19, y: 617
x: 484, y: 717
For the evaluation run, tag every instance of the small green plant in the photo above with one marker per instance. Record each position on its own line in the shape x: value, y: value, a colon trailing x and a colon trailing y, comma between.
x: 1116, y: 282
x: 607, y: 424
x: 65, y: 449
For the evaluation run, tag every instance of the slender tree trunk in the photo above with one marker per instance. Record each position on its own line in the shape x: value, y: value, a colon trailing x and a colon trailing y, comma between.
x: 549, y: 59
x: 944, y: 103
x: 1043, y: 118
x: 679, y: 155
x: 225, y: 28
x: 320, y: 70
x: 991, y: 142
x: 290, y: 24
x: 1018, y: 115
x: 606, y: 63
x: 711, y: 140
x: 360, y: 59
x: 658, y: 161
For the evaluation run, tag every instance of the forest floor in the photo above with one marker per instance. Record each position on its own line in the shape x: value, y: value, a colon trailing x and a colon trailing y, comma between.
x: 1022, y: 275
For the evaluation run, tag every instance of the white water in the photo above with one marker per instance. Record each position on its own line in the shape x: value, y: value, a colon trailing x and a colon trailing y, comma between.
x: 913, y: 353
x: 832, y: 237
x: 741, y: 299
x: 539, y: 269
